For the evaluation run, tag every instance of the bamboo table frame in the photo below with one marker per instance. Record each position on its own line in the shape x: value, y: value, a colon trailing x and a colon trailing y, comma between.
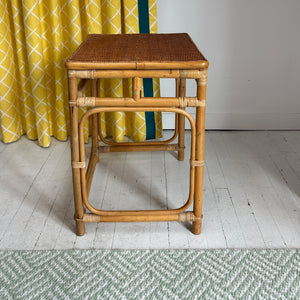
x: 82, y: 177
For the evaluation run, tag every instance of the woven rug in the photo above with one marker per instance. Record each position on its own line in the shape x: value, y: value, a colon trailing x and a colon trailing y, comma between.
x: 150, y: 274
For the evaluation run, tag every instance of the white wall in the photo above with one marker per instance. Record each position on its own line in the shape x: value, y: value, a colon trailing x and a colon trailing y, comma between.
x: 254, y: 52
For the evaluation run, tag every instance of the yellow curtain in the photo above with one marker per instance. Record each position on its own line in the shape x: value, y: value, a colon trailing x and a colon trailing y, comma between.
x: 36, y: 37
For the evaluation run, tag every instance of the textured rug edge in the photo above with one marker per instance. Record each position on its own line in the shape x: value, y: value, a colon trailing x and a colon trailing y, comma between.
x: 150, y: 274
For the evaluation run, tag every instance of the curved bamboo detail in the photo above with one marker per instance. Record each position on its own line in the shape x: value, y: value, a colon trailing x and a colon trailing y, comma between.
x: 111, y: 143
x: 140, y: 212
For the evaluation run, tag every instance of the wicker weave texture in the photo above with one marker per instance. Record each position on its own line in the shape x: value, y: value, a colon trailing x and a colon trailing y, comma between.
x: 99, y: 48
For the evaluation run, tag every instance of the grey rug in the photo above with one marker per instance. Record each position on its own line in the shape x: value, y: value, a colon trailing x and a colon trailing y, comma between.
x: 150, y: 274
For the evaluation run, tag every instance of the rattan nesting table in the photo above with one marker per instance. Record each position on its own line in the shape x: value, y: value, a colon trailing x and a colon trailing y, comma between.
x: 136, y: 56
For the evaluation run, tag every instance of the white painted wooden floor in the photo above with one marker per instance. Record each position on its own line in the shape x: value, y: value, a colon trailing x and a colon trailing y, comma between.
x: 251, y: 195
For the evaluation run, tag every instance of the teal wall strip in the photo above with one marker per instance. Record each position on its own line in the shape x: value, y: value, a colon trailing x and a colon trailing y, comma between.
x: 144, y: 26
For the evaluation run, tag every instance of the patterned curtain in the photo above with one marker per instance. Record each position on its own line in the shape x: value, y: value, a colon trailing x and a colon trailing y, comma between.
x: 36, y: 37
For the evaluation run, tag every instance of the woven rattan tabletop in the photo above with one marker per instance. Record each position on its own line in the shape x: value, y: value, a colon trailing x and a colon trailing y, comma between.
x: 137, y: 51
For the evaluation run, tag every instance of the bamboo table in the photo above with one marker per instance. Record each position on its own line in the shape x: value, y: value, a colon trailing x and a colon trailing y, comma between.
x: 136, y: 56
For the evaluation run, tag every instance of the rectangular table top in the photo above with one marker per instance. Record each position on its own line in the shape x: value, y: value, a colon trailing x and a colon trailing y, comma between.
x: 137, y: 51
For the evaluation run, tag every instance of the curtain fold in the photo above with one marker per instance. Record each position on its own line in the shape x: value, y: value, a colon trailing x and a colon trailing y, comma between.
x: 36, y: 37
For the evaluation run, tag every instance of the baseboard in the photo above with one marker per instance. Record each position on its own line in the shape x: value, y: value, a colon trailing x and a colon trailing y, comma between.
x: 223, y: 121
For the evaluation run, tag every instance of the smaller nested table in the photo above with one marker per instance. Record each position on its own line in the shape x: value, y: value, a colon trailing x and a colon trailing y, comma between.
x: 136, y: 56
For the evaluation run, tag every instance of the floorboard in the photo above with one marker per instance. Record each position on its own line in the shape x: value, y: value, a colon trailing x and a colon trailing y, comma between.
x: 251, y: 195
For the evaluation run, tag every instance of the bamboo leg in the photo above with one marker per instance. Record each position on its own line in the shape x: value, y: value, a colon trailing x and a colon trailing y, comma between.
x: 181, y: 121
x: 94, y: 157
x: 99, y: 115
x: 177, y: 95
x: 200, y: 139
x: 79, y: 210
x: 94, y: 117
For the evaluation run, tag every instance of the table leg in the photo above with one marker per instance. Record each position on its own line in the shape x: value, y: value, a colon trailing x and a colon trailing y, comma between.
x: 181, y: 121
x: 79, y: 210
x: 95, y: 93
x: 94, y: 157
x: 199, y: 155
